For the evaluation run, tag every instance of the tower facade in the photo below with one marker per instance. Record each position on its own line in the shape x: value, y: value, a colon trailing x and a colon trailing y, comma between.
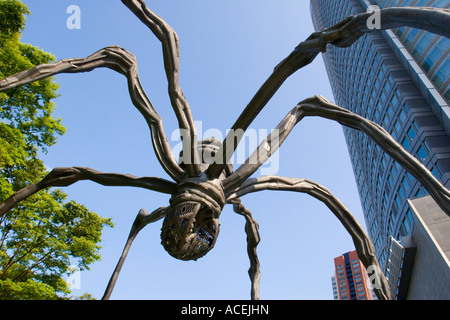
x: 350, y: 278
x: 399, y: 79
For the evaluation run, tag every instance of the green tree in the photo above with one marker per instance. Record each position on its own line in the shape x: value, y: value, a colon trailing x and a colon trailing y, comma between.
x: 43, y: 236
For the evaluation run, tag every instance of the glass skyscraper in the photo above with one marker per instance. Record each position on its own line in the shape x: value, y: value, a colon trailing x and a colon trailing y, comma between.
x: 399, y: 79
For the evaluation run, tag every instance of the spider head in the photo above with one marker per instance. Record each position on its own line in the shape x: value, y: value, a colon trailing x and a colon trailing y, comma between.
x: 191, y: 224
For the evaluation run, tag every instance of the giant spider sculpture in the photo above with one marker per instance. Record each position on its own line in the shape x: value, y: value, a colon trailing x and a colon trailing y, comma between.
x: 200, y: 189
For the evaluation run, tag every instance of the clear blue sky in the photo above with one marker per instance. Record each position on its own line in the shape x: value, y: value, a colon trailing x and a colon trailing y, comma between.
x: 228, y: 49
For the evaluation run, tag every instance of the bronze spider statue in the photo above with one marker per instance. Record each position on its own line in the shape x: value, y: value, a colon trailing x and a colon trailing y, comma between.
x: 201, y: 188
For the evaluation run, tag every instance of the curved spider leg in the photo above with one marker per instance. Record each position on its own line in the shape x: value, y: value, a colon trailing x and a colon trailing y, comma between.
x: 253, y: 239
x: 363, y: 245
x: 434, y: 20
x: 122, y: 61
x: 321, y: 107
x: 342, y: 34
x: 143, y: 218
x: 63, y: 177
x: 171, y: 55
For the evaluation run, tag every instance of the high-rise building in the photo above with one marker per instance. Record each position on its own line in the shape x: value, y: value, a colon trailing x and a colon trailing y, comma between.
x: 350, y: 278
x: 399, y: 79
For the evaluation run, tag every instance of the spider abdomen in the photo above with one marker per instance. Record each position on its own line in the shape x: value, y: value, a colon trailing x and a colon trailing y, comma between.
x: 191, y: 225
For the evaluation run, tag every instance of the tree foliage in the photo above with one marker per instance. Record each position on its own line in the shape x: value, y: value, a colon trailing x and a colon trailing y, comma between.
x: 46, y: 234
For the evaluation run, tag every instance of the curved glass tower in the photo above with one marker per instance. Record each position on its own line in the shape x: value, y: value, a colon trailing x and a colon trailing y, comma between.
x: 399, y: 79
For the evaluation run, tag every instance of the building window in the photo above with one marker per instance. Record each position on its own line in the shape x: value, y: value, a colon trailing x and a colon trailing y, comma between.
x: 441, y: 74
x: 421, y: 3
x: 383, y: 257
x: 436, y: 170
x: 405, y: 183
x: 421, y: 45
x: 406, y: 144
x: 407, y: 223
x: 411, y: 133
x: 377, y: 243
x: 398, y: 201
x: 401, y: 193
x: 422, y: 153
x: 410, y: 36
x: 435, y: 54
x: 440, y: 4
x: 373, y: 228
x: 391, y: 223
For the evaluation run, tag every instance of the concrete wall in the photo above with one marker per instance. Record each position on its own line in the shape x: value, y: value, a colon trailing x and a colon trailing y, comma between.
x: 430, y: 278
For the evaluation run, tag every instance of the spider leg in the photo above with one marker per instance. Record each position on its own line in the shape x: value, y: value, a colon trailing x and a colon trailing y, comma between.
x: 363, y: 245
x: 171, y: 55
x: 342, y: 34
x: 122, y: 61
x: 319, y: 106
x: 253, y: 239
x: 63, y: 177
x: 143, y: 218
x: 435, y: 20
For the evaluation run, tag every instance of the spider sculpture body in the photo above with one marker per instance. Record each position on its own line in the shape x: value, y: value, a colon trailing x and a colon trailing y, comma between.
x: 200, y: 190
x: 191, y: 223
